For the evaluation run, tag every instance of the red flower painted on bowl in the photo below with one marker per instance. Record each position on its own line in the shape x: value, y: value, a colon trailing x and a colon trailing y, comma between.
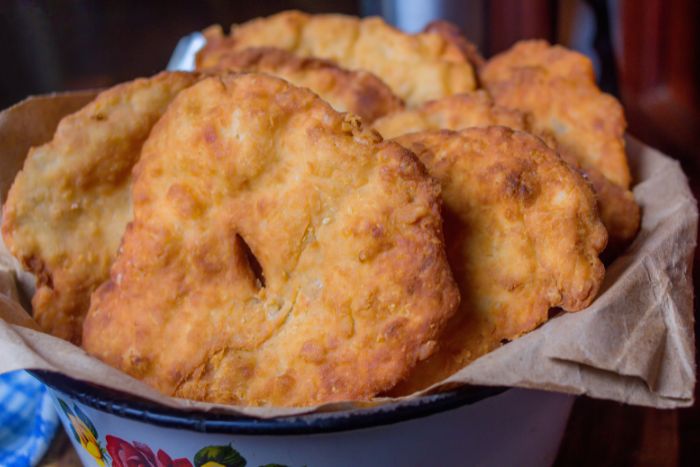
x: 135, y: 454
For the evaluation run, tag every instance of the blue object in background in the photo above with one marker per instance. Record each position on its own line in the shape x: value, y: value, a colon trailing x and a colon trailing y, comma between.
x: 28, y: 420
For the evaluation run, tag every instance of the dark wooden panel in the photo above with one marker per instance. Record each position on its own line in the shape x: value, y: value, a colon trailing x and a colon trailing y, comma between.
x: 512, y: 20
x: 659, y: 64
x: 76, y: 44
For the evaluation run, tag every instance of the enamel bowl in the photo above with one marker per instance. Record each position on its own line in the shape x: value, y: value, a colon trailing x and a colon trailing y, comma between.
x: 467, y: 426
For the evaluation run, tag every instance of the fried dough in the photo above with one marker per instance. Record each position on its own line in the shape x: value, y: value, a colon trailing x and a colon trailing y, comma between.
x: 557, y: 87
x: 618, y: 209
x: 556, y: 60
x: 417, y: 67
x: 358, y: 92
x: 522, y: 235
x: 456, y: 112
x: 69, y: 205
x: 284, y: 255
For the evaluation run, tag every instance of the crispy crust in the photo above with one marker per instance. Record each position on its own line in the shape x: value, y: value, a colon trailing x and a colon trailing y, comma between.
x: 417, y: 67
x: 617, y: 207
x: 522, y: 235
x: 355, y: 285
x: 456, y: 112
x: 557, y: 87
x: 68, y: 207
x: 358, y: 92
x: 557, y: 60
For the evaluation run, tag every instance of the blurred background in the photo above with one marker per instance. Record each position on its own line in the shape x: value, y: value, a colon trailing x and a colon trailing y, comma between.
x: 646, y: 52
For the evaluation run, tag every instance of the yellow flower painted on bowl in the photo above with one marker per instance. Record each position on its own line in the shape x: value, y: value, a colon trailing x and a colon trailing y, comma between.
x: 84, y: 432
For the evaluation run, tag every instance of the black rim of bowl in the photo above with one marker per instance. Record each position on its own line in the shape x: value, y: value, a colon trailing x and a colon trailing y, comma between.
x: 127, y: 406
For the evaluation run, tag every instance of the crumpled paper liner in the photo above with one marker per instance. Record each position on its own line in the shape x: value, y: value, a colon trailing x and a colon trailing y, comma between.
x: 634, y: 344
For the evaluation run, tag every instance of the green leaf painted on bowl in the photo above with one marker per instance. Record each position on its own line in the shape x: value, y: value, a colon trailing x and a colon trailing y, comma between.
x: 84, y: 418
x: 64, y: 406
x: 84, y: 432
x: 69, y: 413
x: 215, y: 456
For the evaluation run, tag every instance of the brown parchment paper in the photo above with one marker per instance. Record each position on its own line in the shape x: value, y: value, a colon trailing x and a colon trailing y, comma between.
x: 635, y: 344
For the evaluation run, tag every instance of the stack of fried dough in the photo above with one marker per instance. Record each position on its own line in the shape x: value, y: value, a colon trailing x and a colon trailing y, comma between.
x: 327, y: 209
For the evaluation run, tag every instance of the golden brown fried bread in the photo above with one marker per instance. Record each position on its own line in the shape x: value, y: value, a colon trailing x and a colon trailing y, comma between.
x: 279, y: 253
x: 358, y: 92
x: 617, y: 207
x: 557, y: 87
x: 68, y: 207
x: 556, y: 60
x: 453, y: 113
x: 417, y: 67
x: 522, y: 235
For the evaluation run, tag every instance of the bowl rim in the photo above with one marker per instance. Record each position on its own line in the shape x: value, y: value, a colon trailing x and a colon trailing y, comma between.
x: 142, y: 410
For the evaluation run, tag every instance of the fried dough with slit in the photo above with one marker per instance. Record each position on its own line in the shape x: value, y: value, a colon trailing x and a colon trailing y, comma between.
x: 69, y: 205
x: 417, y: 67
x: 522, y: 235
x: 358, y: 92
x: 556, y: 86
x: 285, y: 255
x: 618, y: 209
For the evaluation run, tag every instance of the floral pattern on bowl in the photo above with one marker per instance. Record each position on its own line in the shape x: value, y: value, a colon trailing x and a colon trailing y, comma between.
x: 84, y: 432
x: 125, y: 454
x: 118, y: 452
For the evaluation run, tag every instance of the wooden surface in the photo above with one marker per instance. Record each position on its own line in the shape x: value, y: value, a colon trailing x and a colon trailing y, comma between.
x: 602, y: 433
x: 61, y: 452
